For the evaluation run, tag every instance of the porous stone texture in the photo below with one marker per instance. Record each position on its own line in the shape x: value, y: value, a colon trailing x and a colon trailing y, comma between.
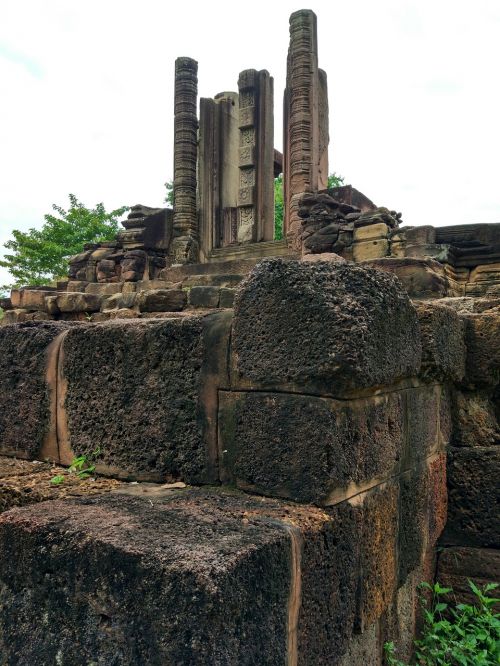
x: 265, y: 443
x: 213, y: 585
x: 443, y: 342
x: 458, y: 564
x: 482, y: 338
x: 323, y: 328
x: 473, y: 497
x: 204, y: 297
x: 474, y: 419
x: 25, y: 415
x: 413, y: 528
x: 143, y: 392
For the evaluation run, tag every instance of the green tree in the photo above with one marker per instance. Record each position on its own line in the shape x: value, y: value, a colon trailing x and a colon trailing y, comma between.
x: 41, y: 255
x: 334, y: 180
x: 169, y: 197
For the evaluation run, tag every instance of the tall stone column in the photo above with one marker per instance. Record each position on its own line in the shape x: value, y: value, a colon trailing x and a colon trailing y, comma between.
x: 305, y: 115
x: 256, y: 157
x: 184, y: 247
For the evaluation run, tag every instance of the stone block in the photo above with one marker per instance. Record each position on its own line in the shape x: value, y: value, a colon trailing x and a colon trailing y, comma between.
x: 438, y: 498
x: 204, y: 297
x: 103, y: 288
x: 458, y: 564
x: 473, y: 496
x: 372, y: 249
x: 423, y: 421
x: 213, y: 586
x: 212, y: 281
x: 161, y: 300
x: 371, y: 232
x: 77, y: 285
x: 34, y: 299
x: 482, y: 339
x: 226, y: 299
x: 266, y: 445
x: 413, y: 519
x: 322, y: 328
x: 123, y: 313
x: 51, y: 305
x: 27, y: 367
x: 363, y: 649
x: 474, y: 420
x: 443, y: 342
x: 146, y: 392
x: 13, y: 316
x: 422, y: 278
x: 118, y: 301
x: 79, y: 302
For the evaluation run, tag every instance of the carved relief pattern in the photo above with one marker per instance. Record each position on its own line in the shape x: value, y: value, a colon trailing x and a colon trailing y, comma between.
x: 185, y: 154
x: 247, y: 98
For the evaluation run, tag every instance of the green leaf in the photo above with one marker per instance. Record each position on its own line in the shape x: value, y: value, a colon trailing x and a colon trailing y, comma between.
x: 56, y: 480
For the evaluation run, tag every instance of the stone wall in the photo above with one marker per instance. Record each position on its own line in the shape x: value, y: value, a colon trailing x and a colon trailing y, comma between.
x: 324, y: 409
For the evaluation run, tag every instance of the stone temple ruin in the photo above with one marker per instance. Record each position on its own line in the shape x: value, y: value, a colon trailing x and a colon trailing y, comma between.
x: 292, y: 433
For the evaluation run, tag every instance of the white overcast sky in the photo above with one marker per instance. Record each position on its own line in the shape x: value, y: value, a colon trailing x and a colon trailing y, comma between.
x: 87, y: 97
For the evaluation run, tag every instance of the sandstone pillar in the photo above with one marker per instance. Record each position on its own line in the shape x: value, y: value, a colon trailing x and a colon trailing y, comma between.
x: 218, y: 172
x: 305, y: 140
x: 256, y: 157
x: 184, y: 248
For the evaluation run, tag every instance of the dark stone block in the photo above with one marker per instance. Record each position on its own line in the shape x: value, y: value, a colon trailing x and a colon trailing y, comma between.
x: 423, y: 422
x: 123, y: 580
x: 474, y: 419
x: 482, y: 339
x: 323, y: 328
x: 413, y: 519
x: 473, y: 497
x: 305, y: 448
x: 443, y: 342
x: 145, y: 391
x: 456, y: 565
x: 204, y: 297
x: 161, y: 300
x: 26, y: 352
x: 226, y: 297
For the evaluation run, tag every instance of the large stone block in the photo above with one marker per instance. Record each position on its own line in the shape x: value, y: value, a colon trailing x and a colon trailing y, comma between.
x: 423, y: 414
x: 372, y: 249
x: 161, y: 300
x: 457, y: 565
x: 28, y: 354
x: 78, y: 302
x: 473, y: 497
x: 482, y: 338
x: 145, y: 392
x: 413, y: 519
x: 308, y: 449
x: 474, y: 419
x: 422, y: 278
x: 323, y: 328
x: 443, y: 342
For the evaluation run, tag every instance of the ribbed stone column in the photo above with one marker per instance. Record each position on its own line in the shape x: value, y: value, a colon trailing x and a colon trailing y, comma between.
x: 305, y: 121
x: 184, y: 248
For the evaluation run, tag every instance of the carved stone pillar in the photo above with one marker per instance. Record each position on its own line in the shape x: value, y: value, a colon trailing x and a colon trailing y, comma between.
x: 256, y: 157
x: 305, y: 113
x: 218, y: 172
x: 184, y: 248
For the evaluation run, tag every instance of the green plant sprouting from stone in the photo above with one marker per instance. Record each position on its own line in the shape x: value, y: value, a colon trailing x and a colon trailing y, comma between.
x: 456, y: 634
x: 83, y: 467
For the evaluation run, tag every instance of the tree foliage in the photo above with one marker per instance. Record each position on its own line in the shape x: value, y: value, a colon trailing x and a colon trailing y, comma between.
x: 41, y: 255
x: 169, y: 197
x: 334, y: 180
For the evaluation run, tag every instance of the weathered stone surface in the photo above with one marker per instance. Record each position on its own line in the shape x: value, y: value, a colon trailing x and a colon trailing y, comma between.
x: 443, y: 342
x: 482, y: 339
x: 77, y: 285
x: 34, y: 299
x: 25, y: 413
x: 438, y: 498
x: 456, y: 565
x: 414, y: 519
x: 266, y: 445
x: 78, y: 302
x: 474, y: 419
x: 118, y: 301
x: 473, y: 497
x: 105, y: 289
x: 204, y: 297
x: 422, y: 278
x: 370, y: 232
x: 372, y: 249
x: 226, y: 299
x: 161, y: 300
x: 363, y: 649
x: 145, y: 392
x: 325, y: 256
x: 213, y: 585
x: 324, y: 328
x: 423, y: 421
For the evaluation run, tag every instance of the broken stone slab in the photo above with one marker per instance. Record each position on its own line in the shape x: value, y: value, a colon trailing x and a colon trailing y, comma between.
x: 442, y: 333
x: 161, y: 300
x: 79, y: 302
x: 322, y: 328
x: 473, y: 497
x: 27, y: 381
x: 146, y: 392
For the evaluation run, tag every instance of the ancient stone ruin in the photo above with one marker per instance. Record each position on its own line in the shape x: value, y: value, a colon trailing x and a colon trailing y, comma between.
x: 291, y: 434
